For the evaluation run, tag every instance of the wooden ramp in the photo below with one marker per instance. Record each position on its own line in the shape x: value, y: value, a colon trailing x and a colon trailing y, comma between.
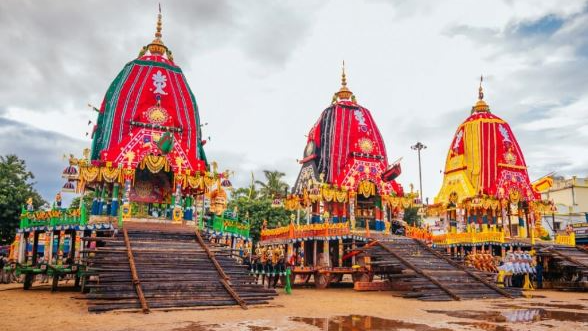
x: 423, y: 273
x: 162, y: 266
x: 572, y: 265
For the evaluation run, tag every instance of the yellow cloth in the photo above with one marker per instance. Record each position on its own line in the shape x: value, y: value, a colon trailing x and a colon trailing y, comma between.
x: 500, y: 279
x: 527, y: 283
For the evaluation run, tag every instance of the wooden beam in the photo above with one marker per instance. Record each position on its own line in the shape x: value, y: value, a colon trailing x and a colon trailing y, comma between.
x: 360, y: 250
x: 134, y: 274
x: 223, y: 276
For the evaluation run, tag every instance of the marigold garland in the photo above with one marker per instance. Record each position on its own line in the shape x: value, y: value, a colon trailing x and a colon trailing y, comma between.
x: 155, y: 163
x: 110, y: 175
x: 90, y: 174
x: 195, y: 182
x: 366, y: 188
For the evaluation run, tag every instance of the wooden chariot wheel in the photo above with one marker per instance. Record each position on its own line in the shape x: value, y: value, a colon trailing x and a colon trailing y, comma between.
x: 361, y: 277
x: 28, y: 281
x: 336, y: 278
x: 321, y: 281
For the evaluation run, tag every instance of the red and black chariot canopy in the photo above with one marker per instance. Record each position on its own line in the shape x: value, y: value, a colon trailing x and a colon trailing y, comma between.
x: 345, y: 147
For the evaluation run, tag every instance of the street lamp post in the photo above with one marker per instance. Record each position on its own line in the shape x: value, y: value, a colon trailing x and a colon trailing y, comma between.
x: 418, y: 147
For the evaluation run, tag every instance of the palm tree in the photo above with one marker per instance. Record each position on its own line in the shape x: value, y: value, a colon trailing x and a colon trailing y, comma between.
x: 273, y: 186
x: 249, y: 192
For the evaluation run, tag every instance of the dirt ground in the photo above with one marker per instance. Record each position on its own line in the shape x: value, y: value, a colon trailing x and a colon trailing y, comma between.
x: 305, y: 309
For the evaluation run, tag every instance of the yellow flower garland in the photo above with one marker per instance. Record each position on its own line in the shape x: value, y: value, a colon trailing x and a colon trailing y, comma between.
x: 110, y: 175
x: 155, y: 163
x: 90, y: 173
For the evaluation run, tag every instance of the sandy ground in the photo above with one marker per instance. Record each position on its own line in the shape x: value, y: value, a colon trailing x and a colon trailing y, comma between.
x: 305, y: 309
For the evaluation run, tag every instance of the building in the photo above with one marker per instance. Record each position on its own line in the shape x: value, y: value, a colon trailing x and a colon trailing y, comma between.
x: 570, y: 198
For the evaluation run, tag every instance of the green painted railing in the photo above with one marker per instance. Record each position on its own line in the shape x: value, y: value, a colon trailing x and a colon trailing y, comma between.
x: 53, y: 217
x: 229, y: 224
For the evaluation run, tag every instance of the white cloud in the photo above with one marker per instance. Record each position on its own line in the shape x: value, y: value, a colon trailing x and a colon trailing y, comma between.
x: 263, y: 72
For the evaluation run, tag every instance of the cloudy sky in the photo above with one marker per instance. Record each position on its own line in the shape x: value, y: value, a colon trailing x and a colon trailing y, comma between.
x: 262, y: 72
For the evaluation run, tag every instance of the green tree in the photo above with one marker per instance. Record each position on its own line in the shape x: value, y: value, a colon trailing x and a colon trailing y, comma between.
x: 411, y: 216
x: 256, y: 205
x: 241, y: 192
x: 88, y: 197
x: 257, y: 210
x: 16, y: 187
x: 249, y: 192
x: 273, y: 186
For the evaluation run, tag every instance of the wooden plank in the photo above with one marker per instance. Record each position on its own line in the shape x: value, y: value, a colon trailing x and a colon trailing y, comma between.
x: 174, y: 271
x: 463, y: 268
x: 568, y: 258
x: 420, y: 271
x: 372, y: 286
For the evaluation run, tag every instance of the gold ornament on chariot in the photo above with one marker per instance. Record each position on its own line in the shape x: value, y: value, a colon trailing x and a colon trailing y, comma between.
x: 514, y: 195
x: 143, y: 188
x: 157, y: 115
x: 510, y: 157
x: 453, y: 197
x: 366, y: 145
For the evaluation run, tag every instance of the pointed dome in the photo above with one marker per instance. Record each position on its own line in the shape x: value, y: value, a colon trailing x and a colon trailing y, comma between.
x: 484, y: 158
x: 149, y: 109
x: 345, y: 147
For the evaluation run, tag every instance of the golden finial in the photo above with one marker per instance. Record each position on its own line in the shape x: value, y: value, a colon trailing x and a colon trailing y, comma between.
x: 158, y: 32
x: 480, y: 91
x: 480, y: 106
x: 344, y: 93
x: 343, y: 78
x: 157, y: 47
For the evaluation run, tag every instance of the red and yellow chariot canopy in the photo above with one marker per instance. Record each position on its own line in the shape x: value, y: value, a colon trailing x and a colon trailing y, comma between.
x: 485, y: 159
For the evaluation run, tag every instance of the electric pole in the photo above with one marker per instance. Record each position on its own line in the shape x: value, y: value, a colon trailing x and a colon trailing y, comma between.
x: 418, y: 147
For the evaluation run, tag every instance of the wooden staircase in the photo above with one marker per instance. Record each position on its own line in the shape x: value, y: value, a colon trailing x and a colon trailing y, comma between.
x: 427, y: 275
x: 159, y: 266
x: 572, y: 263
